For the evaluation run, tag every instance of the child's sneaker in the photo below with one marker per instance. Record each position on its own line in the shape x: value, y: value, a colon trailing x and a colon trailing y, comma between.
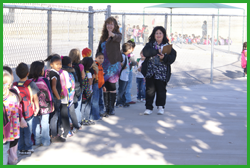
x: 69, y: 134
x: 138, y: 101
x: 119, y: 105
x: 91, y: 122
x: 57, y: 139
x: 24, y: 152
x: 85, y: 122
x: 31, y: 150
x: 126, y: 105
x: 143, y: 100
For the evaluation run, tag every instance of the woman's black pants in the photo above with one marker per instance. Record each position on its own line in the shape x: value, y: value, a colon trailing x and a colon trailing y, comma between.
x: 158, y: 87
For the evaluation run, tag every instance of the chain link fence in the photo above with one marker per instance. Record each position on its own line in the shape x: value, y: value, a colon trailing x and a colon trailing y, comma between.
x: 30, y: 34
x: 194, y: 63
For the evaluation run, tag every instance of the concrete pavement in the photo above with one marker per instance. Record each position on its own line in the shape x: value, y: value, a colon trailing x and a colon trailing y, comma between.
x: 202, y: 125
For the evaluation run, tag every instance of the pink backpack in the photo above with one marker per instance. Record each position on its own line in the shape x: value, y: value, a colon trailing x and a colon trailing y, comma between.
x: 64, y: 92
x: 243, y: 60
x: 44, y: 96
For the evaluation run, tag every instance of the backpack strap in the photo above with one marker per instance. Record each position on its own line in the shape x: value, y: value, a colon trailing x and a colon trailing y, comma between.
x: 5, y: 116
x: 27, y: 83
x: 124, y: 65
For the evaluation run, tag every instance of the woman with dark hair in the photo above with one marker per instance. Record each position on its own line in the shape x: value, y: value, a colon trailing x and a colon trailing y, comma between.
x: 109, y: 45
x: 156, y: 69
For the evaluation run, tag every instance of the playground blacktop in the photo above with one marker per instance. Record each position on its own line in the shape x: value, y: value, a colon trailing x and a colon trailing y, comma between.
x: 203, y: 124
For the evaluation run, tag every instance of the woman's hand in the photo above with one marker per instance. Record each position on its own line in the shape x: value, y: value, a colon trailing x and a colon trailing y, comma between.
x: 161, y: 56
x: 111, y: 34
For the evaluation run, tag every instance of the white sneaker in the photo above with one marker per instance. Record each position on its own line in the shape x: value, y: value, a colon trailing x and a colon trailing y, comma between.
x: 143, y: 100
x: 160, y: 110
x: 138, y: 101
x: 147, y: 112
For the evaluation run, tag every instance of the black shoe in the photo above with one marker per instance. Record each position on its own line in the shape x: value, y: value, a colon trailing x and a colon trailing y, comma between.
x: 112, y: 99
x: 106, y: 102
x: 91, y: 122
x: 57, y: 139
x: 126, y: 105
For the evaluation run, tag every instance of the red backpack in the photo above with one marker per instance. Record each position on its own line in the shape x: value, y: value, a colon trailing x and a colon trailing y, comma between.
x: 26, y: 103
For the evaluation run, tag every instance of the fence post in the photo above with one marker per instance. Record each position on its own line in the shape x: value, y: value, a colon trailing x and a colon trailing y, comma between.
x: 229, y: 34
x: 49, y: 32
x: 91, y: 21
x: 108, y: 13
x: 166, y: 23
x: 243, y: 27
x: 123, y: 29
x: 212, y: 51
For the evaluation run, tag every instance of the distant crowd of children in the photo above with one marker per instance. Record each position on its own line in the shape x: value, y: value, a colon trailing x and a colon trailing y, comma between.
x: 53, y: 101
x: 193, y: 39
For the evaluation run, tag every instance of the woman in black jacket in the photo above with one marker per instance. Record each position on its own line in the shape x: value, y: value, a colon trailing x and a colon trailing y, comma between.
x: 156, y: 69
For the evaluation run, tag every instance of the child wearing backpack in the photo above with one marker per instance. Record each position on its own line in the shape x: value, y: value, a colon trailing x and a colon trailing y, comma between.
x: 12, y: 152
x: 67, y: 66
x: 244, y: 58
x: 30, y: 107
x: 75, y: 56
x: 53, y: 75
x: 124, y: 77
x: 41, y: 121
x: 11, y: 124
x: 87, y: 62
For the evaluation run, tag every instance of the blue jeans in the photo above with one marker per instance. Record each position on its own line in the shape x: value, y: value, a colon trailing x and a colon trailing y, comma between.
x: 140, y: 88
x: 128, y: 90
x: 55, y: 118
x: 134, y: 37
x: 121, y: 99
x: 72, y: 116
x: 78, y: 109
x: 86, y: 108
x: 101, y: 104
x: 94, y: 113
x: 6, y: 147
x: 41, y: 129
x: 25, y: 142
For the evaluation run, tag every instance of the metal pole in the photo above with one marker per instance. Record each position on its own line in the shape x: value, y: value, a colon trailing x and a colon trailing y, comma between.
x: 207, y: 32
x: 218, y: 27
x: 96, y: 28
x: 49, y: 32
x: 229, y: 34
x: 108, y: 11
x: 212, y: 51
x: 68, y: 26
x: 182, y: 33
x: 91, y: 21
x: 143, y: 16
x: 243, y: 26
x: 166, y: 23
x: 171, y: 22
x: 123, y: 29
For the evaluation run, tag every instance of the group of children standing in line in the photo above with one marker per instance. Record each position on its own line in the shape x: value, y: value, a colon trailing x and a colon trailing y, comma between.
x: 47, y: 106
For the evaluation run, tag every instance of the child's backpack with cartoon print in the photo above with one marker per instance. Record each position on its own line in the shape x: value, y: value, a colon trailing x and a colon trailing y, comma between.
x: 72, y: 89
x: 26, y: 103
x: 44, y: 96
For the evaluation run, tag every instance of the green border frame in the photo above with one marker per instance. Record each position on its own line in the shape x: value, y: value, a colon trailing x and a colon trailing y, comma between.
x: 127, y: 1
